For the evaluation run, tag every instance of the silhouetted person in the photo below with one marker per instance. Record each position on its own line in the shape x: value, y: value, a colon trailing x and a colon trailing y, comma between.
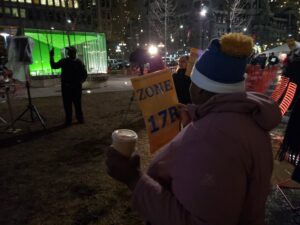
x: 156, y: 63
x: 73, y: 74
x: 182, y: 82
x: 273, y: 60
x: 290, y: 147
x: 261, y: 60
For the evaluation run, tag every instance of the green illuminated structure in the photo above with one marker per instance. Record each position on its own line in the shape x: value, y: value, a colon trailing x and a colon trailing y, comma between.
x: 91, y: 49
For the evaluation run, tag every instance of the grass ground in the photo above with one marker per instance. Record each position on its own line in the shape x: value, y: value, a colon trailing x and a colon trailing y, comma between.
x: 57, y: 176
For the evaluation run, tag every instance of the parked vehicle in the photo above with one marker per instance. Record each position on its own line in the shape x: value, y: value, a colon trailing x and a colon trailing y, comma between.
x: 117, y: 64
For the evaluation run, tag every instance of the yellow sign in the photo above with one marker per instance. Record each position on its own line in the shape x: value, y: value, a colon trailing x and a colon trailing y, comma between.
x: 157, y: 99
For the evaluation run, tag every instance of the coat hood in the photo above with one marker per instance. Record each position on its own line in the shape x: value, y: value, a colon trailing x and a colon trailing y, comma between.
x: 264, y: 111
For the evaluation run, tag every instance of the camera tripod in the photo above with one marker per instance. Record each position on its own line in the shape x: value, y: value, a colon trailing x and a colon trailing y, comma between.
x: 34, y: 113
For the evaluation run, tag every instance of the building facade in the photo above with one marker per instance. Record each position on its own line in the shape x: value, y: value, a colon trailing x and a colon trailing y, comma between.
x: 289, y: 10
x: 72, y: 15
x: 252, y: 17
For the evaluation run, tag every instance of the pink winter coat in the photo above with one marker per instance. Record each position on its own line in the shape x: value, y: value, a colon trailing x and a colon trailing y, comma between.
x: 217, y: 170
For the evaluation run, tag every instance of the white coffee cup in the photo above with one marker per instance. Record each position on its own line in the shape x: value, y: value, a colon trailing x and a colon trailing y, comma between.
x: 124, y: 141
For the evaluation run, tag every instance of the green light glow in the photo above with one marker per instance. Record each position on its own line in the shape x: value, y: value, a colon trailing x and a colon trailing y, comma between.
x: 91, y: 49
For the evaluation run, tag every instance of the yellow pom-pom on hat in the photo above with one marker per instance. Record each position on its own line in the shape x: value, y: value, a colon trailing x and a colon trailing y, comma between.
x: 237, y: 45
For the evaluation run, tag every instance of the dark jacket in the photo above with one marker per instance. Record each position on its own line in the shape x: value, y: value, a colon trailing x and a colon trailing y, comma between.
x: 182, y: 84
x: 73, y: 71
x: 273, y: 60
x: 292, y: 70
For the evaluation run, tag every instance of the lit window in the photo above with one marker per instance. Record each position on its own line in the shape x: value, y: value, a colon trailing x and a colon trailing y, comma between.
x: 57, y: 2
x: 13, y: 0
x: 22, y: 13
x: 28, y: 1
x: 36, y: 1
x: 50, y: 2
x: 7, y: 10
x: 15, y: 12
x: 70, y: 4
x: 75, y: 4
x: 21, y: 1
x: 43, y: 2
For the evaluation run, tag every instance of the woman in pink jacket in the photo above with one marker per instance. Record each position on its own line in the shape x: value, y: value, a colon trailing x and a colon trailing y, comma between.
x: 217, y: 170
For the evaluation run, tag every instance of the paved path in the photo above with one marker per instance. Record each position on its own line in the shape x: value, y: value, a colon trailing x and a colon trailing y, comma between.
x: 113, y: 83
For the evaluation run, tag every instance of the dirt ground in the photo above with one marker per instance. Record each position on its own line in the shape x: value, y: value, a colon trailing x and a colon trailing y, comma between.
x: 57, y: 176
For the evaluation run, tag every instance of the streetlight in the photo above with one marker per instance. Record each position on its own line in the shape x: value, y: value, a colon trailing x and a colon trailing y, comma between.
x: 245, y: 29
x: 122, y: 45
x: 203, y: 12
x: 153, y: 50
x: 181, y: 26
x: 118, y: 49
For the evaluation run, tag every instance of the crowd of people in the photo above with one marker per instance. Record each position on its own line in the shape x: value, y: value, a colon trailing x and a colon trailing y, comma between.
x: 262, y: 60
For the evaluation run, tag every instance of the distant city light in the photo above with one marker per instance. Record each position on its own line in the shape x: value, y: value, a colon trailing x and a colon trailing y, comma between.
x: 181, y: 26
x: 52, y: 28
x: 161, y: 45
x: 89, y: 91
x: 290, y: 35
x: 5, y: 35
x: 69, y: 21
x: 122, y: 44
x: 245, y: 29
x: 142, y: 30
x: 203, y: 12
x: 118, y: 49
x: 153, y: 50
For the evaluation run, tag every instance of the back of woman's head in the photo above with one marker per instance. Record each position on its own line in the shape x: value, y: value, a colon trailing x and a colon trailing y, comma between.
x: 182, y: 62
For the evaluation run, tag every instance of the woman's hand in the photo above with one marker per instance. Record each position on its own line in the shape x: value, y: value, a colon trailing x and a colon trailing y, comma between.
x: 122, y: 168
x: 184, y: 114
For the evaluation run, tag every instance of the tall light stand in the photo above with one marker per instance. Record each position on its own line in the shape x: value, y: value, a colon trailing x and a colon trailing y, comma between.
x: 34, y: 113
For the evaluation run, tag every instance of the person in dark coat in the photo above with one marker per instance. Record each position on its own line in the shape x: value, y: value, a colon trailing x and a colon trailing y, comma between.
x: 290, y: 147
x: 273, y: 60
x: 156, y: 63
x: 72, y: 76
x: 182, y: 82
x: 261, y: 60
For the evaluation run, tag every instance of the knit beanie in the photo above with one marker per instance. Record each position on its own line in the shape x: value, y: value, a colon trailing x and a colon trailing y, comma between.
x: 221, y: 68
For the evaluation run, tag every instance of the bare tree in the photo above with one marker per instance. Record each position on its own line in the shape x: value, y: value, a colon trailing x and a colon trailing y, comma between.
x: 162, y: 19
x: 238, y: 17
